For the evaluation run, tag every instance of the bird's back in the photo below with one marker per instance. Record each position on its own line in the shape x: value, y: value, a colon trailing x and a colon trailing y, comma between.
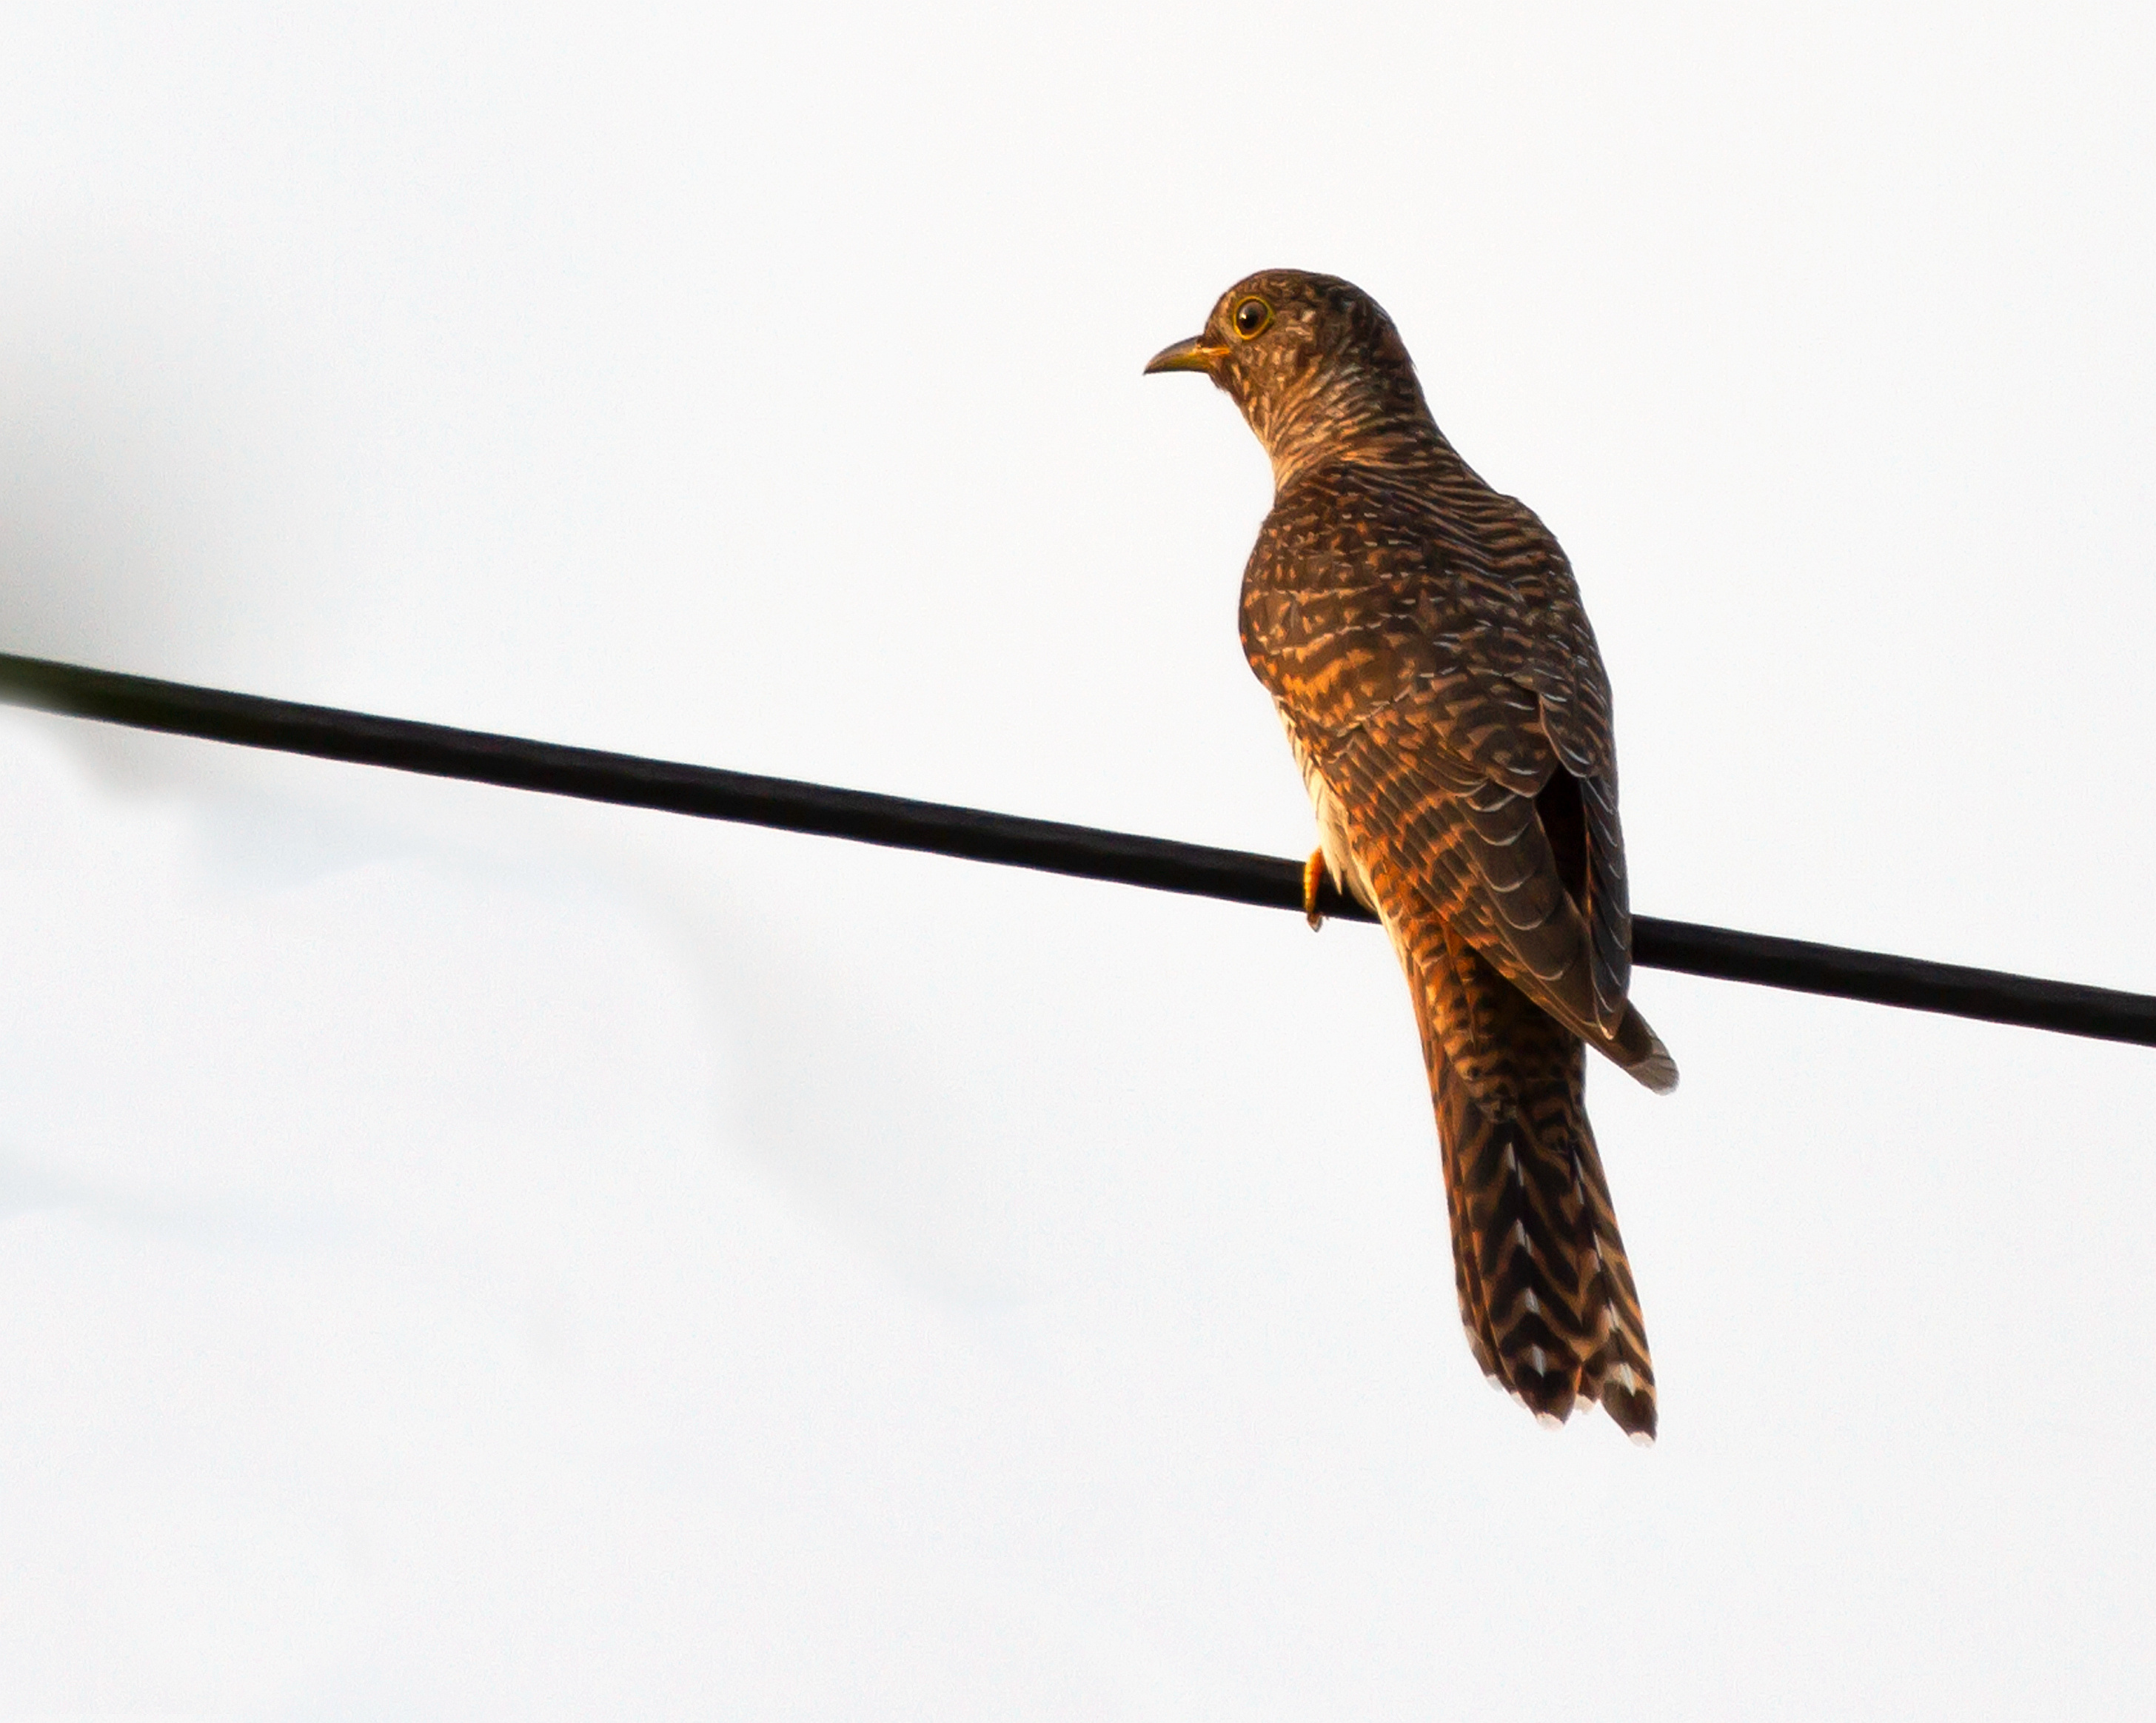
x: 1425, y: 643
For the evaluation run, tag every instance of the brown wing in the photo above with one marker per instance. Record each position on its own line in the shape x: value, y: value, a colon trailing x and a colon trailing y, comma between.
x: 1545, y: 1287
x: 1436, y: 667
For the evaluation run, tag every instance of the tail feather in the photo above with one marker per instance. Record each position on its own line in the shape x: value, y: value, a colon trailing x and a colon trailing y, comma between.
x: 1546, y: 1292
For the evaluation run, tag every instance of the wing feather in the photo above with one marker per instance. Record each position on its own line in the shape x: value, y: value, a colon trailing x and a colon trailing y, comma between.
x: 1439, y: 690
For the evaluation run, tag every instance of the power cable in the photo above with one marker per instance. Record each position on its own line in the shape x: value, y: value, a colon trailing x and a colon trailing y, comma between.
x: 1083, y: 852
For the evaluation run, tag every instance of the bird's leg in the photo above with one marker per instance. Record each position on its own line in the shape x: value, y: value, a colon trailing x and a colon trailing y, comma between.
x: 1313, y: 871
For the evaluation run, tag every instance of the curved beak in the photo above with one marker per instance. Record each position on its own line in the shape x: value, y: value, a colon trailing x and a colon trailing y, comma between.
x: 1194, y: 354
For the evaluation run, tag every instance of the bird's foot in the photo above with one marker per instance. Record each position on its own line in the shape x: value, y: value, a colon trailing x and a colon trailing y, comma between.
x: 1313, y: 873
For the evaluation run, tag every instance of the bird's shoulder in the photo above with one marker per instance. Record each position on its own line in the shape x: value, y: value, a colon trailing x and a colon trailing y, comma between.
x: 1427, y: 599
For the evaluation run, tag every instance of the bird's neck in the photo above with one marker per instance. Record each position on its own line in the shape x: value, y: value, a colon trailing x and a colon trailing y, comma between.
x: 1350, y: 419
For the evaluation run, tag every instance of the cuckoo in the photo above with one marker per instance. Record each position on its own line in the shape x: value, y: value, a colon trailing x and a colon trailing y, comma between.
x: 1423, y: 641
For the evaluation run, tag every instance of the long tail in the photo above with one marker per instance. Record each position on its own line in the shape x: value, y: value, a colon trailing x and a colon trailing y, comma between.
x: 1545, y: 1290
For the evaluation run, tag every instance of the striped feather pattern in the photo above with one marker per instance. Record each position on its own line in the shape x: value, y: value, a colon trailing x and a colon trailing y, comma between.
x: 1425, y: 641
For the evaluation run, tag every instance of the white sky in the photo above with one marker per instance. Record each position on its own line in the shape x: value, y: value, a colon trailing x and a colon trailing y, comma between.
x: 465, y: 1255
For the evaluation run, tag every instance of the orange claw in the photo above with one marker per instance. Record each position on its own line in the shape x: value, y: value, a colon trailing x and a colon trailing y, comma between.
x: 1313, y: 871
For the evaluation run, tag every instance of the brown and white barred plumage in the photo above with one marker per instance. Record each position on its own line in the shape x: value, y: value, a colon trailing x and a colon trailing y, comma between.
x: 1424, y: 643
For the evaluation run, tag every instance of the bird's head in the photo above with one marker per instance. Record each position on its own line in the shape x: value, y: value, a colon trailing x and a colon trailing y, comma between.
x: 1316, y: 366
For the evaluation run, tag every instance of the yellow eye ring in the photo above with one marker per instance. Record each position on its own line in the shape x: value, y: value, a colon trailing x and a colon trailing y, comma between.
x: 1251, y: 318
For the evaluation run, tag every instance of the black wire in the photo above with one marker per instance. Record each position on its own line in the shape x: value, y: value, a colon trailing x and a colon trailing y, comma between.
x: 1236, y: 876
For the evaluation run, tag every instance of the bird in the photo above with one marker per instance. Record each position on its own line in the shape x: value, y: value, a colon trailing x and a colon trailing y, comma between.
x: 1425, y: 645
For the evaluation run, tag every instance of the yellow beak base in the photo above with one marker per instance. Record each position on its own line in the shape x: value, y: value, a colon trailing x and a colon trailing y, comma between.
x: 1195, y: 354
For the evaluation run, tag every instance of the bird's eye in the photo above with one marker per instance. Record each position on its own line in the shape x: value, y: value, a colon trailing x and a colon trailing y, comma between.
x: 1251, y: 317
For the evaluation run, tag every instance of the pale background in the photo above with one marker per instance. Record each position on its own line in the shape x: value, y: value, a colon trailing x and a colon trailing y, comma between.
x: 473, y: 1255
